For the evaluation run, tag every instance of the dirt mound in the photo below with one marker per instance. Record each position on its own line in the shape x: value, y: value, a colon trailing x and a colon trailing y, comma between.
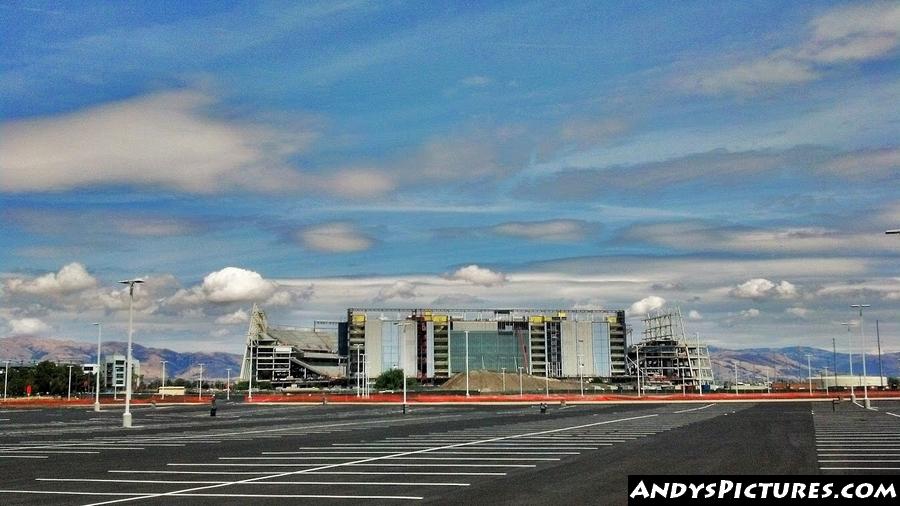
x: 489, y: 381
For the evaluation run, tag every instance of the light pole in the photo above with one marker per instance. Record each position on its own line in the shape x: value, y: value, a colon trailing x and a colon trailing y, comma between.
x: 735, y: 378
x: 850, y: 355
x: 637, y: 365
x: 163, y: 383
x: 467, y: 363
x: 768, y: 385
x: 825, y: 380
x: 503, y: 371
x: 200, y: 384
x: 699, y: 367
x: 228, y: 384
x: 126, y: 416
x: 521, y: 392
x: 862, y: 339
x: 97, y: 371
x: 809, y: 372
x: 250, y: 375
x: 580, y: 365
x: 357, y: 346
x: 5, y: 377
x: 403, y: 359
x: 69, y: 396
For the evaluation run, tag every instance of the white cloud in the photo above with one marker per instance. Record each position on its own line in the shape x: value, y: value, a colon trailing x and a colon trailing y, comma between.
x: 357, y: 183
x: 71, y: 278
x: 337, y: 237
x: 476, y: 81
x: 233, y: 284
x: 239, y: 316
x: 843, y: 35
x: 761, y: 288
x: 755, y: 75
x: 749, y: 313
x: 854, y: 33
x: 398, y: 290
x: 159, y: 140
x: 550, y: 230
x: 479, y: 276
x: 799, y: 312
x: 866, y: 163
x: 694, y: 315
x: 28, y: 327
x: 646, y: 305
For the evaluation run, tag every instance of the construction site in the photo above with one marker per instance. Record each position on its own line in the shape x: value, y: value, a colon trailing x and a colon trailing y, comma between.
x: 665, y: 359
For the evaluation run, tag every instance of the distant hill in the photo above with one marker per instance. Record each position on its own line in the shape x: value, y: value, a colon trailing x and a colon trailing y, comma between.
x: 790, y: 363
x: 178, y: 364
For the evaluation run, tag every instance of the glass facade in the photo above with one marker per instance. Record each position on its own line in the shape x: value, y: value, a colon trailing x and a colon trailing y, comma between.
x: 489, y: 350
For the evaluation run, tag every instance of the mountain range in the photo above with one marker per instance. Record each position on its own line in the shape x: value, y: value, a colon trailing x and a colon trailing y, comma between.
x: 752, y: 364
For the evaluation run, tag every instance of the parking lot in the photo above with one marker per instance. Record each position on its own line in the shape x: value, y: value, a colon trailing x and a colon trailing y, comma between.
x: 479, y: 454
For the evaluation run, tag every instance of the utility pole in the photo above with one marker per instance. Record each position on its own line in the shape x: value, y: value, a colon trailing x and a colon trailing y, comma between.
x: 809, y: 372
x: 735, y: 378
x: 200, y: 384
x: 880, y: 366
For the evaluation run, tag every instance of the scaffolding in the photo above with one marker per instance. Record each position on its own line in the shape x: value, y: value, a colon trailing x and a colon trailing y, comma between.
x: 666, y: 358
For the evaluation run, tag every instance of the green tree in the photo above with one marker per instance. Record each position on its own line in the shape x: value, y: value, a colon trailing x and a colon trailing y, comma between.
x: 393, y: 380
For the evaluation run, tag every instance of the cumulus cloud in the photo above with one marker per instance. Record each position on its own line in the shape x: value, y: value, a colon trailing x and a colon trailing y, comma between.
x: 357, y: 183
x: 694, y: 315
x: 749, y: 313
x: 550, y: 230
x: 239, y: 316
x: 233, y: 284
x: 479, y: 276
x: 228, y: 285
x: 761, y: 288
x: 336, y: 237
x: 71, y: 278
x: 646, y: 305
x: 28, y: 327
x: 163, y: 140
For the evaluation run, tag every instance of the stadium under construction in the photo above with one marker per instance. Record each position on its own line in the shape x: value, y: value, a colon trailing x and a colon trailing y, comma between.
x: 433, y: 345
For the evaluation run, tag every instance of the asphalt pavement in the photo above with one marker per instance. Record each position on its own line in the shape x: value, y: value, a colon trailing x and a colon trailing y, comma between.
x: 273, y: 454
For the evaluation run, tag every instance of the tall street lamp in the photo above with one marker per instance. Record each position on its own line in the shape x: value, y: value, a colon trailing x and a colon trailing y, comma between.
x: 97, y: 371
x: 357, y: 346
x: 200, y: 384
x: 580, y: 358
x: 5, y: 378
x: 126, y: 416
x: 403, y: 358
x: 521, y: 391
x: 862, y: 339
x: 69, y: 395
x: 809, y: 372
x: 850, y: 355
x: 467, y: 363
x: 228, y: 384
x: 163, y: 383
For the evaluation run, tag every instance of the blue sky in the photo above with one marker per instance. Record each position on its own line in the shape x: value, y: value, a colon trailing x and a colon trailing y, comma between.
x: 738, y: 160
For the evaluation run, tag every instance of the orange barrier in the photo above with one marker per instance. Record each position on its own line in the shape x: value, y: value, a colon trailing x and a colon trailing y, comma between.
x: 420, y: 397
x: 60, y: 402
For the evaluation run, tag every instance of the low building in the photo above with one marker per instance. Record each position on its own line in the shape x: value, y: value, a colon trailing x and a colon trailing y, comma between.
x: 113, y: 370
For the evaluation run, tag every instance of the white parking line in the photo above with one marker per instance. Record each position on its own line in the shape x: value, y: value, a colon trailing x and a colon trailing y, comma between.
x: 130, y: 496
x: 309, y: 464
x: 369, y: 460
x: 475, y: 452
x: 7, y: 456
x: 352, y: 473
x: 192, y: 482
x: 536, y: 459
